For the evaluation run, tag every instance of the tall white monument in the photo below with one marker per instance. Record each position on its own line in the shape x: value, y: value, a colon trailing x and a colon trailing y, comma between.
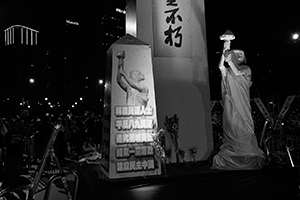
x: 176, y: 32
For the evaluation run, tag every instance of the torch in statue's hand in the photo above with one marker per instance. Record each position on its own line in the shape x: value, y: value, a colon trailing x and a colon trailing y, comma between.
x: 227, y: 37
x: 121, y: 54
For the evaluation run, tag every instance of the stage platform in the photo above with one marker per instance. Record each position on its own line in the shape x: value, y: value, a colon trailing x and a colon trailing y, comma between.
x: 192, y: 181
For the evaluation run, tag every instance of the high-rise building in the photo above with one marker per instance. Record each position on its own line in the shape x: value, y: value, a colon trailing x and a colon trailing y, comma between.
x: 82, y: 58
x: 20, y: 68
x: 58, y: 68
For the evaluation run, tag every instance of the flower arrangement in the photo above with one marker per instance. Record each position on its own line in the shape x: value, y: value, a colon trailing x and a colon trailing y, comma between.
x: 181, y: 153
x: 160, y: 147
x: 172, y: 125
x: 193, y: 152
x: 168, y: 153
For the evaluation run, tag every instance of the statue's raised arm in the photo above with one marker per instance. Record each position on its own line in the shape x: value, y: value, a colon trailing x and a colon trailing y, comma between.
x: 226, y: 37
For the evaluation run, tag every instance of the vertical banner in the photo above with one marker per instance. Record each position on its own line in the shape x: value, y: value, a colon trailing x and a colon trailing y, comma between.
x: 172, y: 28
x: 129, y: 111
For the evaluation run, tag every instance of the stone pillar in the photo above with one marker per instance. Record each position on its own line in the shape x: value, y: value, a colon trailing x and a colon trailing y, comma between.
x: 129, y: 111
x: 177, y: 34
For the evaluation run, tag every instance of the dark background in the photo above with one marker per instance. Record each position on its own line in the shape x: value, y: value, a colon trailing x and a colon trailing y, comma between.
x: 263, y: 30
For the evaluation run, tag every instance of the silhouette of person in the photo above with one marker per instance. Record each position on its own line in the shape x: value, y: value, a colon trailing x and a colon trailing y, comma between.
x: 14, y: 140
x: 136, y: 92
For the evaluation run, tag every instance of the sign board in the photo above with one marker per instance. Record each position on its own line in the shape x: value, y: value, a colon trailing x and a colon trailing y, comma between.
x: 129, y: 111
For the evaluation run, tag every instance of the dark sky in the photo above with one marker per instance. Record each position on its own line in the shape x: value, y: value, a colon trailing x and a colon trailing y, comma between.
x: 260, y: 25
x: 257, y: 24
x: 262, y: 28
x: 41, y: 14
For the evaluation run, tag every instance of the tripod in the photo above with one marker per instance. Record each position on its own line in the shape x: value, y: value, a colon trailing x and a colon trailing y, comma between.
x: 32, y: 188
x: 275, y: 154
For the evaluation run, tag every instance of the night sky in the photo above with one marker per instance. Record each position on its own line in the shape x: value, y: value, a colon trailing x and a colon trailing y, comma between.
x: 262, y: 28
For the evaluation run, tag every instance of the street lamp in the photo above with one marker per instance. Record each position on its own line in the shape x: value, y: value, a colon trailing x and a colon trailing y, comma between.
x: 295, y: 37
x: 31, y: 80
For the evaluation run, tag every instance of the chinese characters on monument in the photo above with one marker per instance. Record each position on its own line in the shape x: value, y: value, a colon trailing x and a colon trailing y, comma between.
x: 172, y: 31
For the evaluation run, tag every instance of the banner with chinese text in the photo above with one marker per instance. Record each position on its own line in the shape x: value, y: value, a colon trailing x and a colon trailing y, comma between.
x: 129, y: 111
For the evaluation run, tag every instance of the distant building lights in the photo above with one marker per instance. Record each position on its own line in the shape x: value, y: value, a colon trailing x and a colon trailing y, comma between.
x: 27, y: 35
x: 46, y: 99
x: 100, y: 81
x: 72, y: 22
x: 80, y: 98
x: 120, y: 11
x: 31, y: 80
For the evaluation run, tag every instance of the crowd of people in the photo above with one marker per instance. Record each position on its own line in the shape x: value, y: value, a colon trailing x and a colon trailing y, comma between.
x: 23, y: 140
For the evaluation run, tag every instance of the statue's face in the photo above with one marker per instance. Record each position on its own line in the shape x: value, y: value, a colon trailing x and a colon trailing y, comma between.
x: 236, y: 56
x: 240, y: 55
x: 137, y: 76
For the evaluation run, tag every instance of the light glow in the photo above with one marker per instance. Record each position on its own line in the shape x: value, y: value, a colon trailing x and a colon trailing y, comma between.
x: 295, y: 36
x: 72, y: 22
x: 120, y: 11
x: 26, y: 34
